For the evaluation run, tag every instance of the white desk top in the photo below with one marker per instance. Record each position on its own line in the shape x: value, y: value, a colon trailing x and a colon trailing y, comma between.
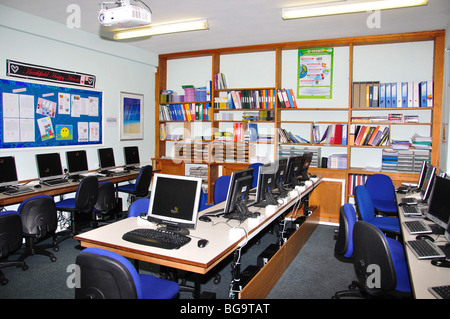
x: 422, y: 273
x: 189, y: 257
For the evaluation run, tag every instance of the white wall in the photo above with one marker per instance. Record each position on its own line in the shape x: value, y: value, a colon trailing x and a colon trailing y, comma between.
x: 117, y: 67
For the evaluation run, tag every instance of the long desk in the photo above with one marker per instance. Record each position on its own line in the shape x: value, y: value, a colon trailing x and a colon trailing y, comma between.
x: 422, y: 273
x: 190, y: 257
x: 69, y: 187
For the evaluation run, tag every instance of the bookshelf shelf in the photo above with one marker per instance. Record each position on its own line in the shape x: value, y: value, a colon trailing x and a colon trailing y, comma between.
x: 278, y: 63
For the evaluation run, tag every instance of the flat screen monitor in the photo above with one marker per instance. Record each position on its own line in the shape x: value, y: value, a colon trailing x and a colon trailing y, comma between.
x: 234, y: 176
x: 427, y: 185
x: 175, y: 209
x: 294, y: 168
x: 77, y: 163
x: 439, y: 204
x: 423, y: 173
x: 8, y: 171
x: 265, y: 186
x: 49, y: 166
x: 106, y: 159
x: 281, y: 170
x: 307, y: 158
x: 237, y: 206
x: 131, y: 155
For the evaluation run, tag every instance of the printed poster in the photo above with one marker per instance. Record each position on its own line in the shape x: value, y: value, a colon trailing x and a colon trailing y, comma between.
x: 315, y: 73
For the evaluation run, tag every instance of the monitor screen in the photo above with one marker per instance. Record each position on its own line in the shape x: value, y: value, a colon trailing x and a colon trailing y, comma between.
x: 428, y: 183
x: 177, y: 210
x: 281, y: 167
x: 265, y: 186
x: 49, y: 166
x: 307, y: 158
x: 423, y: 173
x: 439, y: 204
x: 8, y: 172
x: 131, y: 154
x: 106, y: 158
x: 77, y: 162
x: 237, y: 208
x: 234, y: 177
x: 294, y: 168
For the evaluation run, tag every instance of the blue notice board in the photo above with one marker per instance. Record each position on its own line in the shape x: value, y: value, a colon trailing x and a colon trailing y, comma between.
x: 41, y: 115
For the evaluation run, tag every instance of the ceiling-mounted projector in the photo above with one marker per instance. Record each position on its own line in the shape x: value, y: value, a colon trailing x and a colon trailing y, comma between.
x: 124, y: 15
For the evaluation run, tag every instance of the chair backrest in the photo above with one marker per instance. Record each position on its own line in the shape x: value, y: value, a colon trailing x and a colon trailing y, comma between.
x: 255, y: 167
x: 371, y: 248
x: 364, y: 204
x: 143, y: 181
x: 344, y: 241
x: 10, y: 233
x: 38, y: 215
x: 380, y: 187
x: 86, y: 195
x: 106, y: 199
x: 106, y: 275
x: 139, y: 206
x: 221, y: 188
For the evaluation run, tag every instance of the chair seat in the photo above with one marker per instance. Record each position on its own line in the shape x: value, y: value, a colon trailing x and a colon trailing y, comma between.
x: 386, y: 206
x: 66, y: 204
x: 390, y: 224
x: 157, y: 288
x: 128, y: 188
x: 401, y: 268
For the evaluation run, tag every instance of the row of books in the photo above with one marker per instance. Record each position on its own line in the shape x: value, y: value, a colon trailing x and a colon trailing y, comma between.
x: 361, y: 135
x: 335, y: 134
x: 288, y: 137
x: 396, y: 94
x: 247, y: 99
x: 287, y: 98
x: 184, y: 112
x: 191, y: 94
x: 337, y: 161
x: 164, y: 134
x: 356, y: 180
x: 220, y: 81
x: 391, y: 118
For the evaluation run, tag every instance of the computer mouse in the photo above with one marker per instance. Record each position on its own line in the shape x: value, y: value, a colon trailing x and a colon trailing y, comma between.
x: 204, y: 218
x: 202, y: 243
x: 441, y: 262
x: 37, y: 186
x: 423, y: 237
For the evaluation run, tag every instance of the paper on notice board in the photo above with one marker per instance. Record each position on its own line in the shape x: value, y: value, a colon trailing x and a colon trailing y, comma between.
x: 26, y: 106
x: 27, y: 130
x: 63, y: 103
x: 46, y: 128
x: 10, y: 130
x: 94, y: 131
x: 10, y: 105
x: 83, y: 132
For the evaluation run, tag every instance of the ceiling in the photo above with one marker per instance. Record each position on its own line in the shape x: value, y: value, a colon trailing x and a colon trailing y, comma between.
x: 244, y: 22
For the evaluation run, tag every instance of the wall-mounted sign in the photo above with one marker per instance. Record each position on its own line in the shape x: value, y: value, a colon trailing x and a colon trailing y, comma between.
x: 36, y: 72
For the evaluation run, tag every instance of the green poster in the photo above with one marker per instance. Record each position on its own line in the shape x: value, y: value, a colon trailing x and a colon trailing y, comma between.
x: 315, y: 73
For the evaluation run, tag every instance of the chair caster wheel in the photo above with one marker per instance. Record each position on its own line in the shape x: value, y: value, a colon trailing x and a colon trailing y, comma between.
x: 52, y: 259
x: 25, y: 267
x: 3, y: 281
x: 217, y: 280
x: 55, y: 248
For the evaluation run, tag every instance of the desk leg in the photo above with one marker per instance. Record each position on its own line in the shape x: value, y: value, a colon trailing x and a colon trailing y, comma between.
x: 235, y: 286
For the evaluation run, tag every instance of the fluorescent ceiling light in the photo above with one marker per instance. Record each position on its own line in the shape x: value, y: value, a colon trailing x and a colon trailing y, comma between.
x: 182, y: 26
x: 339, y: 7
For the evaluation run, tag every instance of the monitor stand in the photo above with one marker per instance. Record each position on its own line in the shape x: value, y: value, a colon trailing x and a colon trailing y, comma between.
x: 269, y: 200
x: 176, y: 229
x: 241, y: 212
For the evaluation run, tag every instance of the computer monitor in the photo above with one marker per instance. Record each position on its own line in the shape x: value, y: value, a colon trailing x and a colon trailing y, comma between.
x: 77, y: 163
x: 237, y: 205
x: 49, y: 166
x: 175, y: 209
x: 307, y: 158
x: 439, y: 204
x: 106, y: 159
x: 427, y: 184
x: 280, y: 176
x: 295, y: 165
x: 265, y: 186
x: 8, y: 172
x: 234, y: 176
x: 131, y: 155
x: 423, y: 173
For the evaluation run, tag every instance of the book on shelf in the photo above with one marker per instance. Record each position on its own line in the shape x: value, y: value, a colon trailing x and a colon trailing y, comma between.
x: 392, y: 95
x: 184, y: 112
x: 220, y: 81
x: 248, y: 99
x: 334, y: 134
x: 288, y: 137
x: 355, y: 180
x: 368, y: 135
x: 338, y: 161
x: 287, y: 98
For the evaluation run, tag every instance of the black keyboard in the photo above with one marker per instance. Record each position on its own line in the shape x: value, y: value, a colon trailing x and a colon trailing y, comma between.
x: 18, y: 191
x: 54, y: 182
x: 156, y: 238
x: 425, y: 249
x: 441, y: 292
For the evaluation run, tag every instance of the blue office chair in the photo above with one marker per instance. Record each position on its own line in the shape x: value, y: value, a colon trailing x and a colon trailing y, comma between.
x: 366, y: 211
x: 203, y: 201
x: 83, y: 203
x: 139, y: 206
x: 221, y: 188
x: 107, y: 275
x: 39, y: 221
x: 382, y: 192
x: 255, y: 167
x: 10, y: 241
x: 140, y: 188
x: 344, y: 243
